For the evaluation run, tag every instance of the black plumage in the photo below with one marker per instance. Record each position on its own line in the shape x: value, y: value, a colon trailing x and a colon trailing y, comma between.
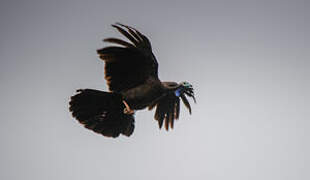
x: 131, y: 72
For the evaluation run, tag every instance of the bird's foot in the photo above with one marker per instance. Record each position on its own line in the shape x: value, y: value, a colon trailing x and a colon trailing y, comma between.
x: 127, y: 109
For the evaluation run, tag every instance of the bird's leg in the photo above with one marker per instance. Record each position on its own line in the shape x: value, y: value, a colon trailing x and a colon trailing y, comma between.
x: 127, y: 110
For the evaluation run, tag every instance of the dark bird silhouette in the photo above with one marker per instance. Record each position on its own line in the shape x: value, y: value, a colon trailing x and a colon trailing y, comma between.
x: 131, y: 72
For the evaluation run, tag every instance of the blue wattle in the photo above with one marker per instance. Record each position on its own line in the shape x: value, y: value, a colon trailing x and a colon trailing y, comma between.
x: 177, y: 92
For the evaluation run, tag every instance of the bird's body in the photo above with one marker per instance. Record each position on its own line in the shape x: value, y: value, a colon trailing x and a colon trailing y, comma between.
x: 142, y: 95
x: 131, y: 71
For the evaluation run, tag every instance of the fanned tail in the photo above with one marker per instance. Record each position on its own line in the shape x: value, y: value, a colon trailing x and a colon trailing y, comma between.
x: 101, y: 112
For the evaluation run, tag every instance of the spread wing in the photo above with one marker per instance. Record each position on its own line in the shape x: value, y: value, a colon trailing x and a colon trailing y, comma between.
x: 168, y: 109
x: 129, y: 64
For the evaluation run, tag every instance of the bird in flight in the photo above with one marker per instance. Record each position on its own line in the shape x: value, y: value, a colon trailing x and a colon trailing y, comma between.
x: 131, y: 72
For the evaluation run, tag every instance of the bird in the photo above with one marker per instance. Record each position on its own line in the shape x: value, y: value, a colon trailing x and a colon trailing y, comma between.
x: 131, y: 73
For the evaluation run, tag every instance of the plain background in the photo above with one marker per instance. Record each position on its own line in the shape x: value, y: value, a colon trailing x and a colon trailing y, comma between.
x: 248, y: 61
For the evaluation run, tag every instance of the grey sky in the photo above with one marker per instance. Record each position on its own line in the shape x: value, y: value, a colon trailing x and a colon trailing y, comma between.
x: 247, y: 60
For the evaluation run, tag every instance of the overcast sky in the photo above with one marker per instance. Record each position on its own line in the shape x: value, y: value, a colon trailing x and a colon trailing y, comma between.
x: 247, y: 60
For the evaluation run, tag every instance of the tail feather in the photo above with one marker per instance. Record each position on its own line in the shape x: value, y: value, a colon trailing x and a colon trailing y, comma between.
x: 101, y: 112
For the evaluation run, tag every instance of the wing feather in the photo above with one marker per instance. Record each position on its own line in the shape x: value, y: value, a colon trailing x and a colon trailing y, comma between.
x: 119, y: 41
x: 168, y: 109
x: 126, y: 34
x: 186, y: 103
x: 159, y: 115
x: 167, y: 121
x: 129, y: 66
x: 146, y: 43
x: 171, y: 115
x: 177, y: 108
x: 132, y: 31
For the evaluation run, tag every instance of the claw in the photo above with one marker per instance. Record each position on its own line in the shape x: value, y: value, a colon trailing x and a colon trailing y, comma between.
x: 127, y: 110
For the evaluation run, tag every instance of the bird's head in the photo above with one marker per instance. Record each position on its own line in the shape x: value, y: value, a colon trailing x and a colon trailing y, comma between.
x: 187, y: 89
x: 186, y: 84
